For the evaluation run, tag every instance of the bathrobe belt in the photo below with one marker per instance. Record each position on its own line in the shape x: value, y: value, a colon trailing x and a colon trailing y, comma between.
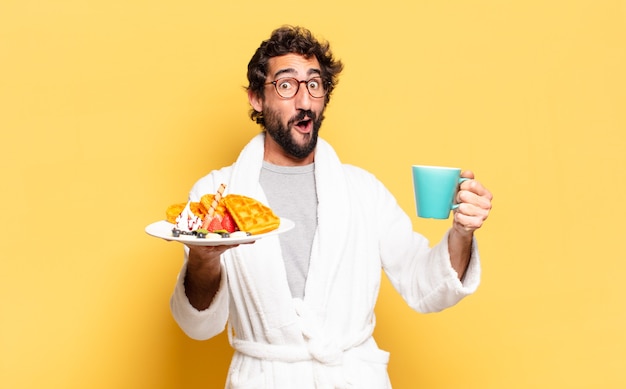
x: 315, y: 349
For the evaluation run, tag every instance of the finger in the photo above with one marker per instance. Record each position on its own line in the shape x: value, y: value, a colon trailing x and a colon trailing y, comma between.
x: 476, y: 187
x: 468, y: 220
x: 470, y: 210
x: 466, y: 223
x: 468, y: 174
x: 474, y: 192
x: 469, y: 197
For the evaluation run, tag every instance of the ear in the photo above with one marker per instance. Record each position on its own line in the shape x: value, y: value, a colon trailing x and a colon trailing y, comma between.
x: 255, y: 101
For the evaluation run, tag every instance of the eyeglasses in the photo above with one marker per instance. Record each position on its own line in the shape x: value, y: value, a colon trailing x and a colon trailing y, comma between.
x: 288, y: 87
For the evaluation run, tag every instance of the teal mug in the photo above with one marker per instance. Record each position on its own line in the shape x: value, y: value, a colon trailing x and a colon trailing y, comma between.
x: 435, y: 188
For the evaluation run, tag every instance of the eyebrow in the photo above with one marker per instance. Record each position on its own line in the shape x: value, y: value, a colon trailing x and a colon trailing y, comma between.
x: 290, y: 71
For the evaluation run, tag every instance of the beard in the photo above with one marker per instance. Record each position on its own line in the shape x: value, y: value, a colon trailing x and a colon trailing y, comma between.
x: 282, y: 134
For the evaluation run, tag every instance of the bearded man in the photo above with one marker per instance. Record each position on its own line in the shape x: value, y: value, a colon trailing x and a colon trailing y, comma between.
x: 299, y: 306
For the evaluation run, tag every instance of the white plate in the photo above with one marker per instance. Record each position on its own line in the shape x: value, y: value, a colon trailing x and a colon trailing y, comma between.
x: 163, y: 230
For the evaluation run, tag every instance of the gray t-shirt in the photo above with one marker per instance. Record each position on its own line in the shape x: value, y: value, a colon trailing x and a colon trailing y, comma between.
x: 291, y: 193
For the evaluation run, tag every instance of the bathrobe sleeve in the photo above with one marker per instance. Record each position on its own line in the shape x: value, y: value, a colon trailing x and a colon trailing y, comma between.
x: 200, y: 325
x: 423, y: 275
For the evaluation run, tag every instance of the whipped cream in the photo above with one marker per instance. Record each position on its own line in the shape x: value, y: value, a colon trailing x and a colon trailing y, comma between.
x: 187, y: 220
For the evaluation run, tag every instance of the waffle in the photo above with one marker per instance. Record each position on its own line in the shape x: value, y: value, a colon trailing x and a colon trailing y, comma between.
x: 251, y: 215
x: 172, y: 212
x: 207, y: 200
x: 197, y: 208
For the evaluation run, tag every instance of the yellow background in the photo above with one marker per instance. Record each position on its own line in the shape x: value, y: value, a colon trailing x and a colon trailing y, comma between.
x: 110, y: 110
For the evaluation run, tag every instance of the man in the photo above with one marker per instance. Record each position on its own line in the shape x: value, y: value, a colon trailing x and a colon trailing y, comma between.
x: 300, y: 306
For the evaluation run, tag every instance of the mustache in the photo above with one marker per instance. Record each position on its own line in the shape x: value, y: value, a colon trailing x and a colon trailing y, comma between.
x: 303, y: 114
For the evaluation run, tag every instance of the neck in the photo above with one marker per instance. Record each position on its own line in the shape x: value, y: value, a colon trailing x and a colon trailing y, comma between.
x: 275, y: 155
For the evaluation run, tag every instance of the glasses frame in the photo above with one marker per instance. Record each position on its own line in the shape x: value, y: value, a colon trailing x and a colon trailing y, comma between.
x: 306, y: 84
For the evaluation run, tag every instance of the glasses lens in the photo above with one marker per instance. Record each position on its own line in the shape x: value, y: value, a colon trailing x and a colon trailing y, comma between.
x: 287, y: 87
x: 316, y: 87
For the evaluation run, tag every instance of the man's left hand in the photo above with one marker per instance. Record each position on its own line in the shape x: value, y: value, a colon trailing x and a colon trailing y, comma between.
x: 474, y: 202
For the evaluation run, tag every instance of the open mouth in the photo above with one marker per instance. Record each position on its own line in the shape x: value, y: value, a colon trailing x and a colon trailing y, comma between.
x: 303, y: 121
x: 304, y: 125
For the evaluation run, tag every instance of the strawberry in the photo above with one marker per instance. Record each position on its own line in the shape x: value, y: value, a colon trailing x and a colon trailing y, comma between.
x: 228, y: 223
x: 215, y: 224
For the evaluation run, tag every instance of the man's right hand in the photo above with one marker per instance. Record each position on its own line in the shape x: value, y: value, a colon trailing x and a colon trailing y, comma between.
x: 202, y: 279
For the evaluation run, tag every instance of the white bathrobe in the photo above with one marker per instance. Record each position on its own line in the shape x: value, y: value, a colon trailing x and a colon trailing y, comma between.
x: 324, y: 340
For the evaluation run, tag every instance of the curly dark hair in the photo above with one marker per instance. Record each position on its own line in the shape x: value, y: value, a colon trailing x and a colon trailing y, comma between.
x: 291, y: 40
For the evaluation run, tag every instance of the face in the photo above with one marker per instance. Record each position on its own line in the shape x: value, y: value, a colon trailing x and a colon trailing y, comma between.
x: 292, y: 124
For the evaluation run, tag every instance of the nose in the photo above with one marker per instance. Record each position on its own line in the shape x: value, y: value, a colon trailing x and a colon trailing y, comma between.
x: 303, y: 99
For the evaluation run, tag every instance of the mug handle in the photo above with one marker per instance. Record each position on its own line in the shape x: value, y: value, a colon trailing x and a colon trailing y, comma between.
x: 461, y: 179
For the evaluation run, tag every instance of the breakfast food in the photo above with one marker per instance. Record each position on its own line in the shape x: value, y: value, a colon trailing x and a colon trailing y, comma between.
x: 207, y: 200
x: 250, y: 215
x: 172, y: 212
x: 217, y: 216
x: 188, y: 220
x: 210, y: 215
